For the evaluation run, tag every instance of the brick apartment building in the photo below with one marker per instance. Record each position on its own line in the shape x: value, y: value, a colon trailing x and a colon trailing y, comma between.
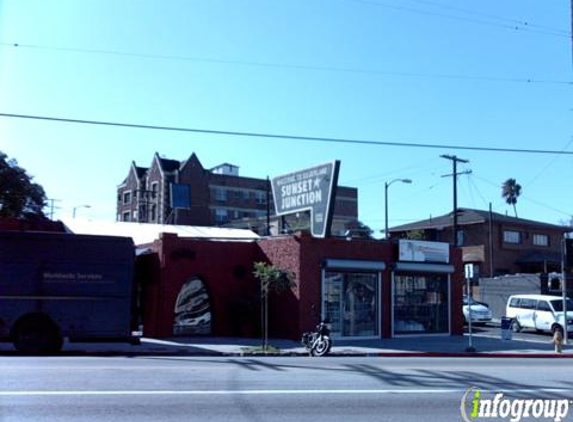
x: 498, y: 243
x: 185, y: 193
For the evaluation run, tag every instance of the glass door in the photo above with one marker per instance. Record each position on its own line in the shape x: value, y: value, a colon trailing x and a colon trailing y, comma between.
x: 352, y: 303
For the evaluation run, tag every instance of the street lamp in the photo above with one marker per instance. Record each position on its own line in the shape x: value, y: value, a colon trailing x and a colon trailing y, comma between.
x: 79, y: 206
x: 386, y: 186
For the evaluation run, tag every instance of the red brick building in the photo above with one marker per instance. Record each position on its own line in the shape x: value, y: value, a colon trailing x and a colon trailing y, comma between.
x: 362, y: 287
x: 497, y: 243
x: 186, y: 193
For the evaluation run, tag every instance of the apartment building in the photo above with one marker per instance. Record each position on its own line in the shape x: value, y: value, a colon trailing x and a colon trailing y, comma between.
x: 498, y: 244
x: 185, y: 193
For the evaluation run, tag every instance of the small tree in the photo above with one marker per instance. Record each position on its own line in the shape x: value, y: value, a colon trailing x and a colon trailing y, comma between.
x: 274, y: 279
x: 358, y: 229
x: 417, y: 234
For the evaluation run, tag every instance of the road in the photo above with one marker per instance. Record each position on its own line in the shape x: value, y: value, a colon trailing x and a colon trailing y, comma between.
x: 264, y: 389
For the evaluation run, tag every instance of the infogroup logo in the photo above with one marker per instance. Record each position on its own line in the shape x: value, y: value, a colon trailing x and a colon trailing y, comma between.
x: 474, y: 407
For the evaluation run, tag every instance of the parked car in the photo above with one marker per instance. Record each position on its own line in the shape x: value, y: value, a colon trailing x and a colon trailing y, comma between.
x: 481, y: 313
x: 540, y: 312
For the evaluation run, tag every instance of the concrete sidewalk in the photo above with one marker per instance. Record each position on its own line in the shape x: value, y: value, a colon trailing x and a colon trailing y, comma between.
x: 414, y: 346
x: 437, y: 346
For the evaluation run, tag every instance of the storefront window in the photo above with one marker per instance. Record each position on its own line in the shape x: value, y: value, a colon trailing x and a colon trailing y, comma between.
x: 421, y: 304
x: 351, y: 303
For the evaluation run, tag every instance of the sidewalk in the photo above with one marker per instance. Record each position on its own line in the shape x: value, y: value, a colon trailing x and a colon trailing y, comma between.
x: 415, y: 346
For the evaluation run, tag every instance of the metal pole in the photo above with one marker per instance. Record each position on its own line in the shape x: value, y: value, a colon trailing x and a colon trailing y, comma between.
x: 386, y: 185
x: 455, y: 160
x: 470, y: 337
x: 564, y: 287
x: 268, y: 206
x: 490, y: 241
x: 386, y: 210
x: 266, y: 318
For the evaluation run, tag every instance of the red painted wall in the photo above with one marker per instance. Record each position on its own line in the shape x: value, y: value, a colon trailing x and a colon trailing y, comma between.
x: 226, y: 268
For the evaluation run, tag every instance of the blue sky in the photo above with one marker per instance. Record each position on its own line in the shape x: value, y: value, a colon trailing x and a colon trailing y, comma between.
x: 410, y: 71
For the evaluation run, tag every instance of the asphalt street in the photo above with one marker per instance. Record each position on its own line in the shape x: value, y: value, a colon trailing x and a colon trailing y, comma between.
x: 262, y: 389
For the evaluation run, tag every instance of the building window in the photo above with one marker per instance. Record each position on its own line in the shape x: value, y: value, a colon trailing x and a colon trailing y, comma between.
x: 421, y: 304
x: 127, y: 197
x: 540, y: 240
x: 126, y: 216
x: 461, y: 237
x: 221, y: 216
x: 154, y: 190
x: 351, y: 303
x: 153, y: 214
x: 221, y: 194
x: 511, y: 236
x: 261, y: 198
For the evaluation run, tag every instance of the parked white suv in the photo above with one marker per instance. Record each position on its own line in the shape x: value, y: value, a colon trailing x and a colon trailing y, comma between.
x: 540, y: 312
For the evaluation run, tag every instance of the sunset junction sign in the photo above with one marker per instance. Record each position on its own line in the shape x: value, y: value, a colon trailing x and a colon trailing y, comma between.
x: 312, y: 189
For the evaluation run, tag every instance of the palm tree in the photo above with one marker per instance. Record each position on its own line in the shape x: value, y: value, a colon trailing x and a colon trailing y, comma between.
x: 510, y: 190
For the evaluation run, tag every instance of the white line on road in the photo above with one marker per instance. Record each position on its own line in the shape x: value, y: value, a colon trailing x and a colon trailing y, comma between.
x: 265, y: 392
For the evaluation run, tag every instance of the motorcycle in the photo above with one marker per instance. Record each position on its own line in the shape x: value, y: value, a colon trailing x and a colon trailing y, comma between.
x: 318, y: 342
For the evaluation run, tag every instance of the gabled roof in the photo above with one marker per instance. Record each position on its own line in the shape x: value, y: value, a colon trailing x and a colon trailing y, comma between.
x: 169, y: 165
x: 468, y: 216
x: 165, y: 165
x: 140, y: 171
x: 193, y: 161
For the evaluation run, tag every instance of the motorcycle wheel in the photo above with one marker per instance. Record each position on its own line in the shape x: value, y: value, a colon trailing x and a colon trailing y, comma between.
x: 321, y: 347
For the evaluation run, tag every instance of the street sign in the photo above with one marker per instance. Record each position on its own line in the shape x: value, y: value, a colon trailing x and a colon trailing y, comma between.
x: 469, y: 270
x: 312, y: 189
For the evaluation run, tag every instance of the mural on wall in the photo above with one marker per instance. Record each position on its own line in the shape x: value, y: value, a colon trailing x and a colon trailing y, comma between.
x: 192, y: 314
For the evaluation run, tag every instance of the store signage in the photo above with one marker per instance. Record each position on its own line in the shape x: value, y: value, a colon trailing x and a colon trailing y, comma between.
x: 422, y: 251
x: 312, y: 189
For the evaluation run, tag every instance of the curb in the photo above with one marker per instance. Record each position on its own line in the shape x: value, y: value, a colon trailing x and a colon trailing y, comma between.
x: 182, y: 353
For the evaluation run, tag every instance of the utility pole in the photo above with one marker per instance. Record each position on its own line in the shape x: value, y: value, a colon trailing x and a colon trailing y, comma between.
x: 53, y: 207
x: 564, y: 287
x: 268, y: 231
x: 455, y: 160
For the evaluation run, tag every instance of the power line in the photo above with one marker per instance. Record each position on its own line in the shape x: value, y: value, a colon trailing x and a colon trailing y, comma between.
x: 541, y: 204
x: 495, y: 17
x: 290, y: 66
x: 460, y: 18
x: 549, y: 164
x: 280, y: 136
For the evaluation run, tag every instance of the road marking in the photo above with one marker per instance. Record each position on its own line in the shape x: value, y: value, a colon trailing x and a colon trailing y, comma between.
x: 265, y: 392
